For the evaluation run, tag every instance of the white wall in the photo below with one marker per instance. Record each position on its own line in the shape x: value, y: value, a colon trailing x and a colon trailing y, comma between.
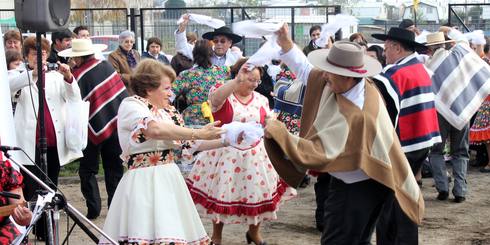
x: 6, y: 4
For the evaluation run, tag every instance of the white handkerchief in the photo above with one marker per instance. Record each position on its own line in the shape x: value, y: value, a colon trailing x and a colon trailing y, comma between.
x: 205, y: 20
x: 269, y: 51
x: 422, y: 37
x: 457, y: 36
x: 476, y: 37
x: 329, y: 29
x: 254, y: 29
x: 243, y: 136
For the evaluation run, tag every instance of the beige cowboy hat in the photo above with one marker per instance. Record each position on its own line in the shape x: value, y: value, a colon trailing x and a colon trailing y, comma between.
x: 436, y: 38
x: 345, y: 59
x: 82, y: 47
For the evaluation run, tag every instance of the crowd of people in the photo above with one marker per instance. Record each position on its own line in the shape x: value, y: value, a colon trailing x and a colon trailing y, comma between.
x: 361, y: 118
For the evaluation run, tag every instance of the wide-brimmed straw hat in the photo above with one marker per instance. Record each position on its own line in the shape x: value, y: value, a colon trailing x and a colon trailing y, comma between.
x: 82, y: 47
x: 400, y: 35
x: 345, y: 59
x: 225, y: 31
x: 436, y: 38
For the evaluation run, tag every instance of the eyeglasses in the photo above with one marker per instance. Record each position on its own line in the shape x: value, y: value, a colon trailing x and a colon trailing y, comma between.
x: 221, y: 40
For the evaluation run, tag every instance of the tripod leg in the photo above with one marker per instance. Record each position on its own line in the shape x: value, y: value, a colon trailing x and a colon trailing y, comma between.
x: 70, y: 230
x: 82, y: 225
x: 50, y: 228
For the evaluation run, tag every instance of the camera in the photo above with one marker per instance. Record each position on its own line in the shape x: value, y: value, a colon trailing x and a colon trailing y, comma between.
x: 52, y: 66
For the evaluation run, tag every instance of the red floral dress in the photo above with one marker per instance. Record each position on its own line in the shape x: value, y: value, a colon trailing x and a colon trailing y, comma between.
x: 10, y: 179
x: 480, y: 130
x: 238, y: 186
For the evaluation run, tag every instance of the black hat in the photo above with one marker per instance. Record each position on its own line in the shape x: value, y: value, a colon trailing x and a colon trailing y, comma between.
x: 400, y: 35
x: 225, y: 31
x: 406, y: 23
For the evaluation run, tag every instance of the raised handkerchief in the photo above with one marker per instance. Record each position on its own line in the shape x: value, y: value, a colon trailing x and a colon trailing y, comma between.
x: 329, y: 29
x: 254, y: 29
x: 205, y: 20
x: 269, y: 51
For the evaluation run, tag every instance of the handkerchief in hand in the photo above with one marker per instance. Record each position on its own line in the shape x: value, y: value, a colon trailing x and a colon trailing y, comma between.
x: 269, y: 51
x: 243, y: 136
x: 254, y: 29
x: 329, y: 29
x: 204, y: 20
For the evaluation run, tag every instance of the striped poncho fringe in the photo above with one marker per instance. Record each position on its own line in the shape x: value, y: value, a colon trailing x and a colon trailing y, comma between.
x: 103, y: 87
x: 460, y: 82
x: 337, y: 136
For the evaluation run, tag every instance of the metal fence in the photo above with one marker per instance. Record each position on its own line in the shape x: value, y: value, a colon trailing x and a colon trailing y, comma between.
x: 100, y: 21
x: 469, y: 17
x: 384, y: 27
x: 161, y: 22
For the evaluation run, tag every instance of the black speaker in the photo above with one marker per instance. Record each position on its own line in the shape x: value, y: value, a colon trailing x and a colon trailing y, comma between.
x: 42, y: 15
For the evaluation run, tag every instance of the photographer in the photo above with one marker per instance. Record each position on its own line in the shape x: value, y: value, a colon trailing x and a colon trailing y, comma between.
x: 60, y: 87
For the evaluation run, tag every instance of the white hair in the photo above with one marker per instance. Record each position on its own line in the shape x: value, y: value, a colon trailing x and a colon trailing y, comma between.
x: 125, y: 34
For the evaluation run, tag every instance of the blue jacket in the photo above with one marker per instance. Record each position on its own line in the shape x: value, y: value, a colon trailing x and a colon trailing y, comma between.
x: 162, y: 58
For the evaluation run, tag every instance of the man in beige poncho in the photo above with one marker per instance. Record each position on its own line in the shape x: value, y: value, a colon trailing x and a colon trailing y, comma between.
x: 346, y: 131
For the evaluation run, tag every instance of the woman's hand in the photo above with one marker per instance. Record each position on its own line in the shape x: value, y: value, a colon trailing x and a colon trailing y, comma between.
x: 210, y: 131
x: 242, y: 73
x: 283, y: 38
x: 65, y: 70
x: 22, y: 215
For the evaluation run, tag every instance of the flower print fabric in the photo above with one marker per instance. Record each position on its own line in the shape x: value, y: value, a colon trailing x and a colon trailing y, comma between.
x: 196, y: 83
x: 234, y: 186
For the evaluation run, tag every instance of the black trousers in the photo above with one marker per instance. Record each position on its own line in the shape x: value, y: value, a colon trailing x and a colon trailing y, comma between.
x: 321, y: 195
x: 351, y: 211
x: 394, y: 226
x: 110, y: 150
x: 31, y: 187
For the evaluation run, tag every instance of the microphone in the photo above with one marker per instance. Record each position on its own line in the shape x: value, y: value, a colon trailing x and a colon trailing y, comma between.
x: 9, y: 195
x: 9, y: 148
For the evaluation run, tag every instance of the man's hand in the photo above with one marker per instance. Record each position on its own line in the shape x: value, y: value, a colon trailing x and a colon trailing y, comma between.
x: 268, y: 123
x: 183, y: 25
x: 283, y: 38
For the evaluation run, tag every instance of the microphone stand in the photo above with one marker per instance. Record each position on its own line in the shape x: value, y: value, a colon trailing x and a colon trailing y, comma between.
x: 59, y: 202
x: 42, y: 143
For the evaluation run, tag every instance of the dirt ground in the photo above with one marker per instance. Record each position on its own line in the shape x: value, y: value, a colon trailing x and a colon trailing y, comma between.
x: 445, y: 222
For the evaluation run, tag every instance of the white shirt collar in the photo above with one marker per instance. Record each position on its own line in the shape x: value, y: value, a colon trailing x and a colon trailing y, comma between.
x: 356, y: 94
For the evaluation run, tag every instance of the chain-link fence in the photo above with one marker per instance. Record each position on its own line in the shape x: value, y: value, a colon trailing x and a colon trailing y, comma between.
x: 384, y: 27
x: 161, y: 22
x: 106, y: 21
x: 469, y: 17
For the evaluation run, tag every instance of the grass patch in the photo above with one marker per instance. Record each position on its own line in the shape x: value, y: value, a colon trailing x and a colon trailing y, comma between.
x: 71, y: 169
